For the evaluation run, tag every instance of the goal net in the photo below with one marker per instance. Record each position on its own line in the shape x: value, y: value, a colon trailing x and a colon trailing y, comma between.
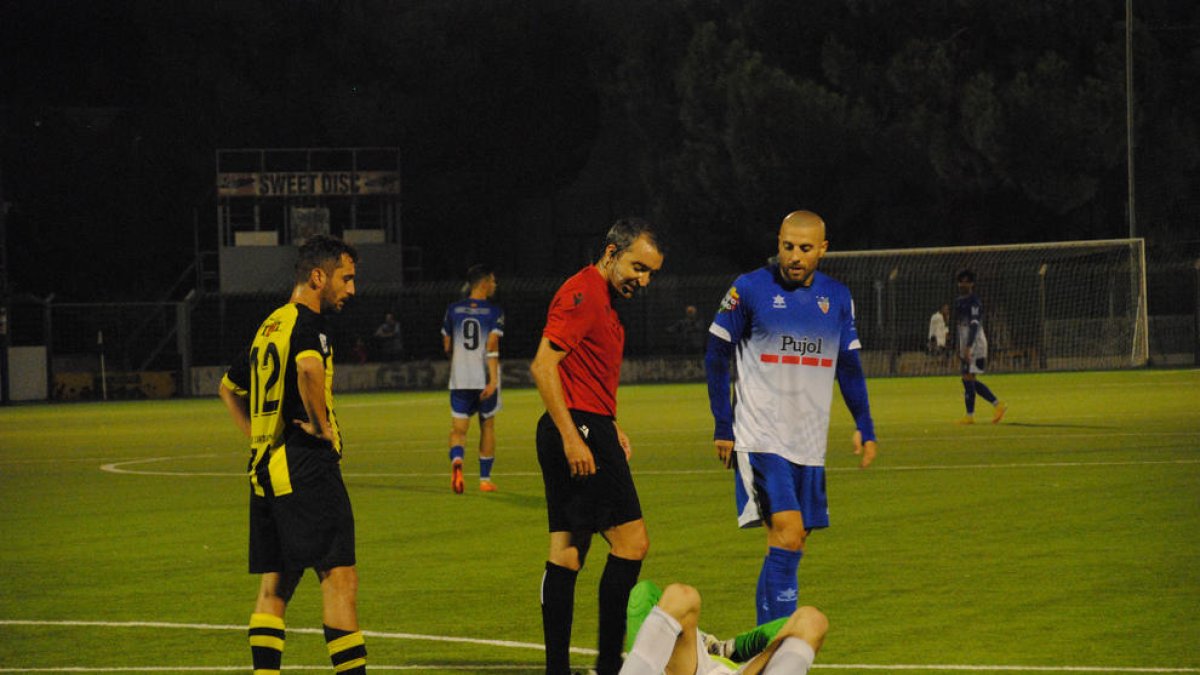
x: 1055, y: 306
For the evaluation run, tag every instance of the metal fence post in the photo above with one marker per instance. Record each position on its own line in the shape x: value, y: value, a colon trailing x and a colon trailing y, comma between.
x: 1196, y: 317
x: 183, y: 337
x: 48, y: 324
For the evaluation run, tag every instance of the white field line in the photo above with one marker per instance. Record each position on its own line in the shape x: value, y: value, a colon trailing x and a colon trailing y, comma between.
x: 419, y: 445
x: 532, y: 668
x: 499, y: 643
x: 121, y: 468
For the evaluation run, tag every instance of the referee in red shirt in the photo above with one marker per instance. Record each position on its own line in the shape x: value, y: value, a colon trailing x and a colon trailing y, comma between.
x: 583, y: 453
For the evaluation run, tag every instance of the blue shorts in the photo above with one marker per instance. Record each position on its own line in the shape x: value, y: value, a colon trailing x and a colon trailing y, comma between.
x: 466, y: 402
x: 768, y: 483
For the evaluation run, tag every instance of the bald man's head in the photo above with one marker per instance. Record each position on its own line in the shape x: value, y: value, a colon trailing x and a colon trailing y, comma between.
x: 802, y: 244
x: 803, y: 219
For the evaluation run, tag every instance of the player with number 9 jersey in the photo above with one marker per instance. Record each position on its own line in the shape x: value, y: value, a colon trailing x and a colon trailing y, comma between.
x: 471, y: 332
x: 469, y: 324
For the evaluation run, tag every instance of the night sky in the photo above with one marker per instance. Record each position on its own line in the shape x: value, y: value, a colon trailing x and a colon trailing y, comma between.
x: 964, y: 123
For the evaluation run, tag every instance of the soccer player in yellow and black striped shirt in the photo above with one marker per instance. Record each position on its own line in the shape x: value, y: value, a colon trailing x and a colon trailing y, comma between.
x: 280, y: 395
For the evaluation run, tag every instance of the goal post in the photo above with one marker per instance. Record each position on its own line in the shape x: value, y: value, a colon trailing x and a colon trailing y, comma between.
x: 1049, y: 306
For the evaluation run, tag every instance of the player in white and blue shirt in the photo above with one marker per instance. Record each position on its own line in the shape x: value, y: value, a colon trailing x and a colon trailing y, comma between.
x: 471, y: 333
x: 791, y: 331
x: 973, y: 348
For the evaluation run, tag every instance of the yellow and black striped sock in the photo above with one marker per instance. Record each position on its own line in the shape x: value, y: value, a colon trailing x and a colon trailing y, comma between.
x: 347, y: 651
x: 266, y: 643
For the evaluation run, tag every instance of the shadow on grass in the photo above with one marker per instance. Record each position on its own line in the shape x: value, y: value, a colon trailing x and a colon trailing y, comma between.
x: 1035, y: 425
x: 519, y: 499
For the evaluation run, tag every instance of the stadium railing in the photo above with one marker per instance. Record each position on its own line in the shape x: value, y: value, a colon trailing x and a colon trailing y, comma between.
x: 1070, y: 306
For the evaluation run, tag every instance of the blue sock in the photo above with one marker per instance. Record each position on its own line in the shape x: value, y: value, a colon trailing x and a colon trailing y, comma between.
x: 969, y: 395
x: 457, y: 452
x: 982, y: 390
x: 761, y: 605
x: 778, y: 583
x: 485, y: 467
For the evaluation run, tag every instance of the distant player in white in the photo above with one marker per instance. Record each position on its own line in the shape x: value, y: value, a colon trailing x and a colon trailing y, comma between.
x: 793, y: 331
x: 973, y: 348
x: 471, y: 335
x: 939, y: 331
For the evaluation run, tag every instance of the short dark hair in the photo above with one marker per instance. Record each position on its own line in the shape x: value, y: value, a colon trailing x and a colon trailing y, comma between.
x: 965, y: 275
x: 477, y: 273
x: 324, y: 251
x: 625, y: 231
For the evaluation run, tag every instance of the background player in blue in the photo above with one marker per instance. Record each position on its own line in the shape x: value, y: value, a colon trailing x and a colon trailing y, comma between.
x: 973, y: 348
x: 471, y: 335
x: 791, y: 329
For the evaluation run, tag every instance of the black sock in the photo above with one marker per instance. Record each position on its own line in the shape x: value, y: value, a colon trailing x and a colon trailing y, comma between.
x: 347, y: 651
x: 266, y: 643
x: 558, y: 609
x: 618, y: 578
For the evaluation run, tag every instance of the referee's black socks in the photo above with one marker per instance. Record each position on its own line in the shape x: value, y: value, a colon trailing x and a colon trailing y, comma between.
x: 619, y: 577
x: 558, y: 609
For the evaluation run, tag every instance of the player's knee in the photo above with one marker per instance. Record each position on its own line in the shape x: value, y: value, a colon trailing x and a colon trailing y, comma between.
x: 573, y: 555
x: 283, y: 588
x: 342, y: 580
x: 635, y: 549
x: 682, y: 602
x: 791, y: 539
x: 571, y: 559
x: 631, y: 543
x: 809, y: 624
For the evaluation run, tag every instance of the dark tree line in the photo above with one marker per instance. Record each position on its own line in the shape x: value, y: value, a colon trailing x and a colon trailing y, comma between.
x: 947, y: 122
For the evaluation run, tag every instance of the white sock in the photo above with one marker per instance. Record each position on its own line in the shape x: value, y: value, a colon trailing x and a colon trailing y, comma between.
x: 653, y: 646
x: 794, y: 657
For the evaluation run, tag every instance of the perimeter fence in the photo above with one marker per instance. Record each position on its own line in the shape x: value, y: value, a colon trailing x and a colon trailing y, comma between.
x: 146, y: 350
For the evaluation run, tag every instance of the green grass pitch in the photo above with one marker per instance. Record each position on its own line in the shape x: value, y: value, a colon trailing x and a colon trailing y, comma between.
x: 1065, y: 538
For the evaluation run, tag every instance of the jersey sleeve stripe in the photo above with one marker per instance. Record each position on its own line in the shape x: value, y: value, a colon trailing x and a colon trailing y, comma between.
x: 231, y: 386
x: 308, y: 354
x: 720, y: 332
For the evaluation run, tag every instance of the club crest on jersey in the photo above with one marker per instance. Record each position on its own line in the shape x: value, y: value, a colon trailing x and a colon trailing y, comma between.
x: 731, y: 300
x: 324, y: 343
x: 823, y: 303
x: 778, y: 302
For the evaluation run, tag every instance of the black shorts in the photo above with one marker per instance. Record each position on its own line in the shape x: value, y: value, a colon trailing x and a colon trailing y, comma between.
x: 312, y: 526
x: 594, y: 503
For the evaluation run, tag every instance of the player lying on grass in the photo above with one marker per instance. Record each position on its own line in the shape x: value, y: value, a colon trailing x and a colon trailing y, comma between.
x: 664, y: 638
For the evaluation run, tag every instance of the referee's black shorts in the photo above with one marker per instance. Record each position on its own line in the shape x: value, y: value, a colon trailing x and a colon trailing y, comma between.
x: 587, y: 504
x: 312, y: 526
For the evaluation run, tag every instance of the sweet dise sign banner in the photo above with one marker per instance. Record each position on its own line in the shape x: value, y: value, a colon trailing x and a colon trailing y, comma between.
x: 308, y: 183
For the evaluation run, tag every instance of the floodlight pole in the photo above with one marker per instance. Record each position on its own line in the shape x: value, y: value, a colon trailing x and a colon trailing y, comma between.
x: 1129, y: 143
x: 4, y: 330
